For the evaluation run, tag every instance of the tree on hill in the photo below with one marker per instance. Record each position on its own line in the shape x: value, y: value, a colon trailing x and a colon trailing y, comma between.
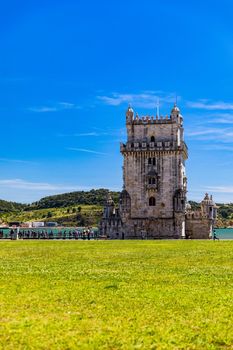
x: 94, y: 197
x: 7, y: 206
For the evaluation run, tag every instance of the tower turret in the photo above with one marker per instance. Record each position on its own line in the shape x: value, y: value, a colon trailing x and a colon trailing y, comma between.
x: 208, y: 207
x: 129, y: 114
x: 176, y: 115
x: 109, y: 208
x: 175, y: 111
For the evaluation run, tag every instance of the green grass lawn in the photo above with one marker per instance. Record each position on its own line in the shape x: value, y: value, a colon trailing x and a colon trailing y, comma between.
x: 116, y: 295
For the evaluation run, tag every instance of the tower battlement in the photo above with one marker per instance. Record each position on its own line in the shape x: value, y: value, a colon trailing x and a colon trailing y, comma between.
x: 152, y: 119
x: 154, y: 147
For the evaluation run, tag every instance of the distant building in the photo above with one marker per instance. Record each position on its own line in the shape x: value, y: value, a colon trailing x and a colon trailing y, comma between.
x: 153, y: 201
x: 51, y: 224
x: 36, y: 224
x: 14, y: 223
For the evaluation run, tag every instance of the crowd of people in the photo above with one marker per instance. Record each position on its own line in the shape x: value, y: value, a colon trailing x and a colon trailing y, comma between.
x: 50, y: 234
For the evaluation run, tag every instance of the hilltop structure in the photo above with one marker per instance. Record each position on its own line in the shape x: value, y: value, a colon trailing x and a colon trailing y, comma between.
x: 153, y: 200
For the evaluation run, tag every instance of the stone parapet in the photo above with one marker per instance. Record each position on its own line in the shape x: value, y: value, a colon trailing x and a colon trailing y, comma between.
x: 152, y: 120
x: 160, y: 146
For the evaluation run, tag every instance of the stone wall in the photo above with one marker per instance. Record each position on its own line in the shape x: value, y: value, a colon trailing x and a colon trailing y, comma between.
x: 151, y: 228
x: 199, y: 228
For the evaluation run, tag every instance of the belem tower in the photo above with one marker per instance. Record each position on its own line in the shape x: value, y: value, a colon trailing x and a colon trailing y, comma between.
x: 153, y: 200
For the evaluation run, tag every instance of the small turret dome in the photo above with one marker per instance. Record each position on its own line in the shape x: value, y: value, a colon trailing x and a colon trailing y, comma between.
x: 130, y: 110
x: 188, y: 206
x: 129, y: 114
x: 175, y: 109
x: 109, y: 199
x: 208, y: 200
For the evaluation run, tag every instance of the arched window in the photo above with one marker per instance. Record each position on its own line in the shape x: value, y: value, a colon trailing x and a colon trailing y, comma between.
x: 152, y: 139
x: 149, y: 160
x: 152, y: 201
x: 151, y: 181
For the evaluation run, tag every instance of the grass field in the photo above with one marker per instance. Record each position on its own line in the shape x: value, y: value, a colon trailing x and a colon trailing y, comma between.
x: 116, y: 295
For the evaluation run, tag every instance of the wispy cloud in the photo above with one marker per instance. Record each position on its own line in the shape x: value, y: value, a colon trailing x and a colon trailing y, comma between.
x: 20, y: 161
x: 84, y: 150
x: 41, y: 186
x: 221, y: 118
x: 110, y: 132
x: 83, y: 134
x: 218, y: 147
x: 210, y: 105
x: 220, y: 194
x: 220, y: 189
x: 215, y: 134
x: 145, y: 99
x: 88, y: 134
x: 203, y: 131
x: 59, y: 106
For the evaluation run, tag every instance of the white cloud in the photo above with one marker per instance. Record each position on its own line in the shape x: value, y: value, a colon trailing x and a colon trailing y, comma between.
x: 54, y: 108
x: 221, y: 118
x: 210, y: 105
x: 9, y: 160
x: 221, y: 189
x: 43, y: 109
x: 23, y: 191
x: 108, y: 132
x: 84, y: 134
x: 218, y: 147
x: 146, y: 99
x: 32, y: 186
x: 67, y: 105
x: 215, y: 134
x: 88, y: 134
x: 203, y: 131
x: 84, y: 150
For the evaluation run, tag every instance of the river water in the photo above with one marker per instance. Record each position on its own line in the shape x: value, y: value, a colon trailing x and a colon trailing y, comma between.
x: 221, y: 233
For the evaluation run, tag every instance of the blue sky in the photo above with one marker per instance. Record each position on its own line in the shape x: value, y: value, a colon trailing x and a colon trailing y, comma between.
x: 69, y: 69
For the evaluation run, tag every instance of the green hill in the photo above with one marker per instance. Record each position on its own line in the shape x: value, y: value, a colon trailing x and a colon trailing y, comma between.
x: 92, y: 197
x: 6, y: 206
x: 82, y: 208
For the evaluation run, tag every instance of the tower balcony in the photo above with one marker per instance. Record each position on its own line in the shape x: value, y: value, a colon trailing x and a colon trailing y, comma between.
x: 160, y: 146
x: 152, y: 187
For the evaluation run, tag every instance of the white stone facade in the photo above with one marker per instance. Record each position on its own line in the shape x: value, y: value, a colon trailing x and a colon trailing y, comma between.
x: 153, y: 201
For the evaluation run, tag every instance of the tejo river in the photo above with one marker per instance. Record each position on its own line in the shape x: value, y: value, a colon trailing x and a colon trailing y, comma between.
x: 69, y: 232
x: 224, y: 233
x: 50, y: 232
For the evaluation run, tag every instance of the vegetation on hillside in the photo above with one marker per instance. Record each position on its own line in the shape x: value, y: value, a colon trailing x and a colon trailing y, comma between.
x: 7, y: 206
x: 82, y: 208
x: 85, y: 215
x: 92, y: 197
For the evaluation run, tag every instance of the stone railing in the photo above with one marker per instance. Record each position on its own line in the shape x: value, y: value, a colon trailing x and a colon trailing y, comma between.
x: 153, y: 120
x: 195, y: 214
x: 153, y: 146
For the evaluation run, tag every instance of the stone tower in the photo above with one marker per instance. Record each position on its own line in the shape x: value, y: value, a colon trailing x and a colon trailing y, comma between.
x: 152, y: 203
x: 154, y: 176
